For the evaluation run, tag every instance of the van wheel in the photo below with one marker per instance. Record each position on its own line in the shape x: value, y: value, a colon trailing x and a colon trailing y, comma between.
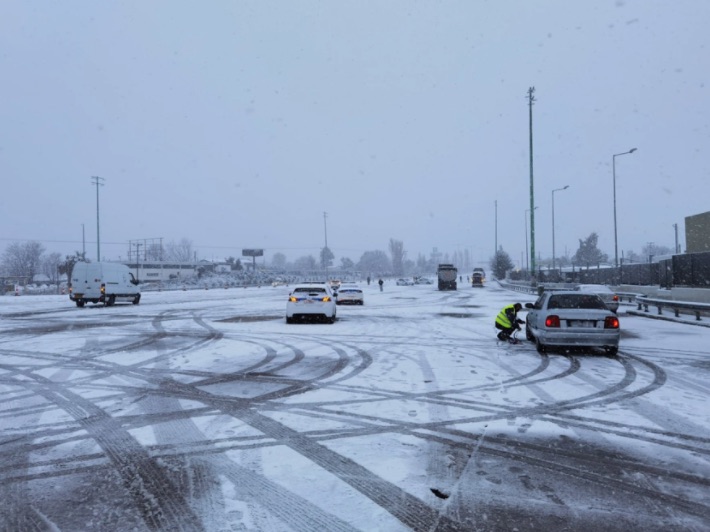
x: 137, y: 299
x: 80, y: 303
x: 111, y: 301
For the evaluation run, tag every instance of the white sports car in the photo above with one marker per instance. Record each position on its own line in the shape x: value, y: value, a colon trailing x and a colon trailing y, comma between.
x: 312, y: 300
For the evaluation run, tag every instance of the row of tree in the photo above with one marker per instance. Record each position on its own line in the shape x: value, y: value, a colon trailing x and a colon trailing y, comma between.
x: 587, y: 255
x: 27, y: 259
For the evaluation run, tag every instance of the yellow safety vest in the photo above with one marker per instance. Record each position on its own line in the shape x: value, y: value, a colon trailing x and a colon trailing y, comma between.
x: 502, y: 317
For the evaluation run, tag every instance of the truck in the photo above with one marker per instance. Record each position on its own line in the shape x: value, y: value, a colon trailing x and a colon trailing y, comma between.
x: 446, y: 273
x: 103, y: 282
x: 478, y: 277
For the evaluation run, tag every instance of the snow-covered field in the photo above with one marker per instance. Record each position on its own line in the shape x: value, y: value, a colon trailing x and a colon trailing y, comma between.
x: 204, y: 410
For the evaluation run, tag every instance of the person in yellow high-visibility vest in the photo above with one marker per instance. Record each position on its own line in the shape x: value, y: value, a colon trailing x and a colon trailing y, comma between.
x: 507, y: 322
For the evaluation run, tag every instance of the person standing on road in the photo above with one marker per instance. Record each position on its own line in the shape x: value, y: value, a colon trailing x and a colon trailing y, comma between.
x: 380, y: 282
x: 507, y: 322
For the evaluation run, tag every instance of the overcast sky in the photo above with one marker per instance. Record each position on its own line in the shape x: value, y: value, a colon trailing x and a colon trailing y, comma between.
x: 239, y: 123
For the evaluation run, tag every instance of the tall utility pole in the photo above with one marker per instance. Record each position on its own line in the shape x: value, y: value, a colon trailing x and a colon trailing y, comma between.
x: 325, y: 231
x: 496, y: 241
x: 677, y: 246
x: 83, y: 243
x: 96, y: 180
x: 531, y: 100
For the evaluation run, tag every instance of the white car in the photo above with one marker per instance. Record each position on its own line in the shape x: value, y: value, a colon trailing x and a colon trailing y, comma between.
x: 405, y: 282
x: 311, y: 300
x: 561, y: 319
x: 350, y: 294
x: 335, y: 285
x: 603, y: 291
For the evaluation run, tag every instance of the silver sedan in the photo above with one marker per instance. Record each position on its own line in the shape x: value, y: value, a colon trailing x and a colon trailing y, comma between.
x: 603, y: 291
x: 571, y: 319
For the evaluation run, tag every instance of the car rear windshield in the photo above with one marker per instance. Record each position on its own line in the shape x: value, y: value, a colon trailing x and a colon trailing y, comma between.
x: 310, y: 289
x: 350, y: 291
x: 566, y: 301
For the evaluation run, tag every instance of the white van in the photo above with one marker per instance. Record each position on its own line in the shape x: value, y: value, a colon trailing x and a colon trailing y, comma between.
x: 103, y: 282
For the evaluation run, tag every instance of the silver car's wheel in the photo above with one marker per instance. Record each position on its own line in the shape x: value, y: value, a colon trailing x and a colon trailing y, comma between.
x: 540, y: 347
x: 528, y: 334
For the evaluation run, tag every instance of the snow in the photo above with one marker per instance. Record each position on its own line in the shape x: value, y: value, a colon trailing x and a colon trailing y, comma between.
x: 254, y: 424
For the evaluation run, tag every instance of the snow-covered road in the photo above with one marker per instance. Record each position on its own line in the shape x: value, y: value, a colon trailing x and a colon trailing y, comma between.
x: 204, y: 410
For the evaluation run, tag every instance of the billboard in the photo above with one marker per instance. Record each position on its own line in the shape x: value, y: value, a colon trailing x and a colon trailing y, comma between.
x: 252, y: 253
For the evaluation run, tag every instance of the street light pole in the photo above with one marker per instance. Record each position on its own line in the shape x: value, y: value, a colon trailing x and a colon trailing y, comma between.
x: 553, y: 223
x: 613, y: 172
x: 96, y: 180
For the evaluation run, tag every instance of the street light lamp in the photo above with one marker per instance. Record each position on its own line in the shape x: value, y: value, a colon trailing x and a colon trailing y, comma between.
x: 553, y: 223
x: 613, y: 172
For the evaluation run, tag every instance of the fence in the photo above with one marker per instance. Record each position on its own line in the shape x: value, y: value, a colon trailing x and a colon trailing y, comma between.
x: 687, y: 270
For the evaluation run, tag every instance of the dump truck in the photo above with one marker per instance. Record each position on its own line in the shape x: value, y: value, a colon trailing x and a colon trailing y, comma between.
x: 446, y: 273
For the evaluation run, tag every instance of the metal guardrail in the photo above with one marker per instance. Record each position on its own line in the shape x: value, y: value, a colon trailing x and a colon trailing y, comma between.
x: 628, y: 297
x: 643, y: 302
x: 677, y: 306
x: 525, y: 288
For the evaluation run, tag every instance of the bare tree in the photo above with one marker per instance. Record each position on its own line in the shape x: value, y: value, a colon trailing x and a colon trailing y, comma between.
x: 154, y: 251
x: 397, y: 252
x: 278, y: 261
x: 306, y: 263
x: 22, y: 259
x: 179, y: 252
x: 50, y: 265
x: 375, y: 261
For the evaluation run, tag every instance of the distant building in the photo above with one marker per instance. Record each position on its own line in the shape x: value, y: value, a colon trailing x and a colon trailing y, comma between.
x: 697, y: 233
x: 164, y: 271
